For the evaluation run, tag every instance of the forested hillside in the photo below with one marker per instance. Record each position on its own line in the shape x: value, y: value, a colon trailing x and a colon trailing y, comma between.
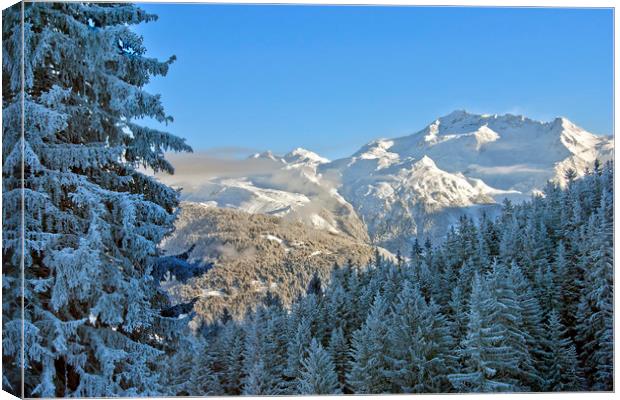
x: 521, y: 303
x: 252, y: 254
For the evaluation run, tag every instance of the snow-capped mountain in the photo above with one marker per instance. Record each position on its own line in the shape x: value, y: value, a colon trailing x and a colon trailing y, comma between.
x: 508, y: 152
x: 419, y: 184
x: 393, y: 190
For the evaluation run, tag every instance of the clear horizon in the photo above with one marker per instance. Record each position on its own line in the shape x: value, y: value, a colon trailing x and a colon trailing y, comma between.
x: 331, y: 78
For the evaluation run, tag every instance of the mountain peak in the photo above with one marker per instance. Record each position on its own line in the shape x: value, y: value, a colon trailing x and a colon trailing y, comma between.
x: 458, y: 113
x: 425, y: 161
x: 468, y: 117
x: 301, y: 154
x: 563, y: 122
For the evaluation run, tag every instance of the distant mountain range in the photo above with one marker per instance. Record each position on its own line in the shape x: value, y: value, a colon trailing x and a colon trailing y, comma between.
x: 418, y: 185
x: 393, y: 190
x: 270, y: 222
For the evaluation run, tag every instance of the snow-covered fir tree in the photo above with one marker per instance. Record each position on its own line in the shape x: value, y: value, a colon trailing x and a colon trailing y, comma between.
x: 483, y: 353
x: 338, y: 350
x: 318, y: 375
x: 232, y: 359
x: 560, y: 369
x: 92, y: 323
x: 369, y: 347
x: 299, y: 341
x: 595, y: 310
x: 420, y: 344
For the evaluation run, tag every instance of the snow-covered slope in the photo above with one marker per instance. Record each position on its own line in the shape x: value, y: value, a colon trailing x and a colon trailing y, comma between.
x: 241, y: 193
x: 415, y: 198
x: 417, y: 185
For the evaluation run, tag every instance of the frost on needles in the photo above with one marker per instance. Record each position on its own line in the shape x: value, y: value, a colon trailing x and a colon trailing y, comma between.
x: 92, y: 325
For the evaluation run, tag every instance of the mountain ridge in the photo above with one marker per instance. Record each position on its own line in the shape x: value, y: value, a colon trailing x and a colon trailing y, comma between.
x: 501, y: 155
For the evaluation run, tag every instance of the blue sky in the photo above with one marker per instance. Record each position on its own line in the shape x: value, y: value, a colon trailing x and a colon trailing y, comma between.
x: 252, y: 78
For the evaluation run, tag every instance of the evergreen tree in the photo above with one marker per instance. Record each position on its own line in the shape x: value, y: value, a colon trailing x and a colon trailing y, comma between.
x: 318, y: 375
x: 256, y: 377
x: 416, y: 253
x: 595, y: 313
x: 296, y: 351
x: 206, y: 373
x: 457, y: 312
x: 368, y: 350
x: 419, y: 344
x: 232, y: 344
x: 570, y: 175
x: 338, y: 307
x: 354, y: 292
x: 254, y: 381
x: 180, y: 369
x: 562, y: 284
x: 339, y: 352
x: 390, y: 276
x: 482, y: 349
x: 274, y: 351
x: 314, y: 286
x: 530, y: 326
x: 560, y: 366
x: 517, y: 365
x: 93, y: 221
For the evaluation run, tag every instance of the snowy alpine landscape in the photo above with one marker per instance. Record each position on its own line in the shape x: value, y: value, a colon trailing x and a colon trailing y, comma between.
x: 474, y: 253
x: 414, y: 186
